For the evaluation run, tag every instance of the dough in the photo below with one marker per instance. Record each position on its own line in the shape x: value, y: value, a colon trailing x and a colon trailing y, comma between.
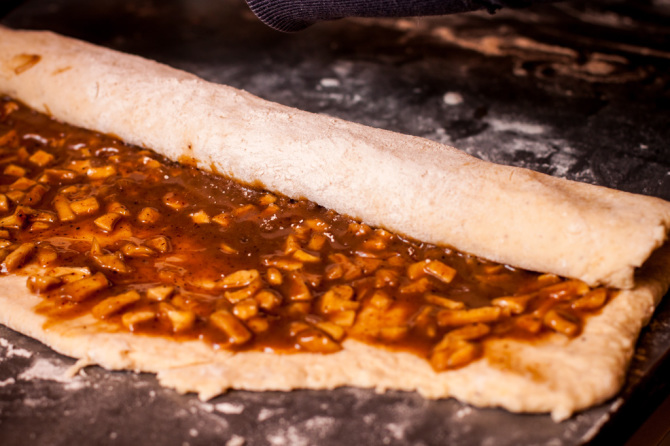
x: 556, y: 375
x: 409, y: 185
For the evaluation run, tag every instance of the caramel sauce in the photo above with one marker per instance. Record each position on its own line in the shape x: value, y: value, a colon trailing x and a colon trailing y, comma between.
x: 170, y: 240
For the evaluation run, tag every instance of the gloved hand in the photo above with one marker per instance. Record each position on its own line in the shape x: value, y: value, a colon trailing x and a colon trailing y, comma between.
x: 294, y: 15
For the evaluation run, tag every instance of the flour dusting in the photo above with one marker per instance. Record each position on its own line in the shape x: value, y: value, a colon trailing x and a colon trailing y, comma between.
x: 562, y: 163
x: 343, y: 68
x: 320, y: 424
x: 37, y: 402
x: 236, y: 440
x: 290, y: 436
x: 452, y: 98
x: 43, y: 369
x: 464, y: 412
x: 7, y: 382
x: 329, y: 82
x: 13, y: 351
x: 514, y: 126
x: 230, y: 408
x: 265, y: 413
x: 396, y: 430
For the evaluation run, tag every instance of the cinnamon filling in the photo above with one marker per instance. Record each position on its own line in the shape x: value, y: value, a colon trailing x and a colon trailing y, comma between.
x: 150, y: 246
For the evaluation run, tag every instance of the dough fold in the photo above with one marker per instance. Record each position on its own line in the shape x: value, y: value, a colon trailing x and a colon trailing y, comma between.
x: 409, y: 185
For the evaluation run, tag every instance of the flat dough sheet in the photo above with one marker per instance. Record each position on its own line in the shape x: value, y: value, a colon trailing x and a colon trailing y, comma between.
x: 556, y: 375
x: 410, y: 185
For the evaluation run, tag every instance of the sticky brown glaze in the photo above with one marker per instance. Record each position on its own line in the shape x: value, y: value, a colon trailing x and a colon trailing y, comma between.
x: 165, y: 249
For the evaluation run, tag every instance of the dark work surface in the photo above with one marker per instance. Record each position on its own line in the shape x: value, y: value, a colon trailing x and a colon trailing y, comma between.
x: 577, y: 90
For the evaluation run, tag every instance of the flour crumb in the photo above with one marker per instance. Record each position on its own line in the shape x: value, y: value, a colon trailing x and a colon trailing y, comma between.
x: 13, y: 351
x: 452, y: 98
x: 45, y: 370
x: 193, y: 432
x: 265, y: 413
x: 7, y: 382
x: 396, y: 430
x: 236, y: 440
x: 562, y: 163
x: 464, y: 412
x: 342, y: 68
x: 290, y: 436
x: 329, y: 82
x: 75, y: 384
x: 35, y: 403
x: 320, y: 425
x: 229, y: 408
x: 499, y: 125
x: 23, y: 353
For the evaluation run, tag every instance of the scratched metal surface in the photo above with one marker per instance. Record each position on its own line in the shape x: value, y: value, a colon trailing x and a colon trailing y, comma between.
x: 580, y: 91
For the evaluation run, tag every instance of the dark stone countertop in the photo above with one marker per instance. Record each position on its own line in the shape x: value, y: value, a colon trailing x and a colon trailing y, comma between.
x: 576, y: 90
